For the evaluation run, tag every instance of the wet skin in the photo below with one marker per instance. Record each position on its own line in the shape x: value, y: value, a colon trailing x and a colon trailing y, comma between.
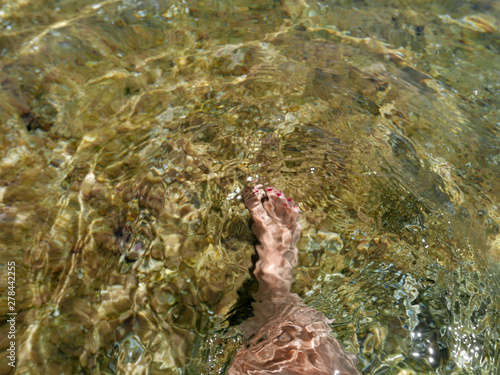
x: 284, y: 336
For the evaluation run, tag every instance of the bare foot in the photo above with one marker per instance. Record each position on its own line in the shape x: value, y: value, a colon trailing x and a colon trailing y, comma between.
x: 270, y: 207
x: 275, y: 226
x: 284, y: 336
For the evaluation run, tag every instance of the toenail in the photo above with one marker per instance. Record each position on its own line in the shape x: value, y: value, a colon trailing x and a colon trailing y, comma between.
x: 279, y: 195
x: 289, y: 199
x: 269, y: 189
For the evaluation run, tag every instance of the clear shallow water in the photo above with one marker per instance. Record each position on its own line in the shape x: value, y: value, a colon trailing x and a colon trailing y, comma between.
x: 130, y: 128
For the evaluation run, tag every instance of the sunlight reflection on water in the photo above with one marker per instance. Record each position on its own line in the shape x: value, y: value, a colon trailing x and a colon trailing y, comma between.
x: 131, y: 129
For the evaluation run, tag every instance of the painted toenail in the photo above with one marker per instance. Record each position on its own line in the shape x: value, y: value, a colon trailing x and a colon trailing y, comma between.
x: 289, y: 199
x: 269, y: 189
x: 279, y: 195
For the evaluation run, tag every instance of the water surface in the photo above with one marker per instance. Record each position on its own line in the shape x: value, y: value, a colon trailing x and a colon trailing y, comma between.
x: 130, y: 128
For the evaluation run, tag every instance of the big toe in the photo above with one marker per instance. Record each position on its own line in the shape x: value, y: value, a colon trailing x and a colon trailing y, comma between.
x: 253, y: 198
